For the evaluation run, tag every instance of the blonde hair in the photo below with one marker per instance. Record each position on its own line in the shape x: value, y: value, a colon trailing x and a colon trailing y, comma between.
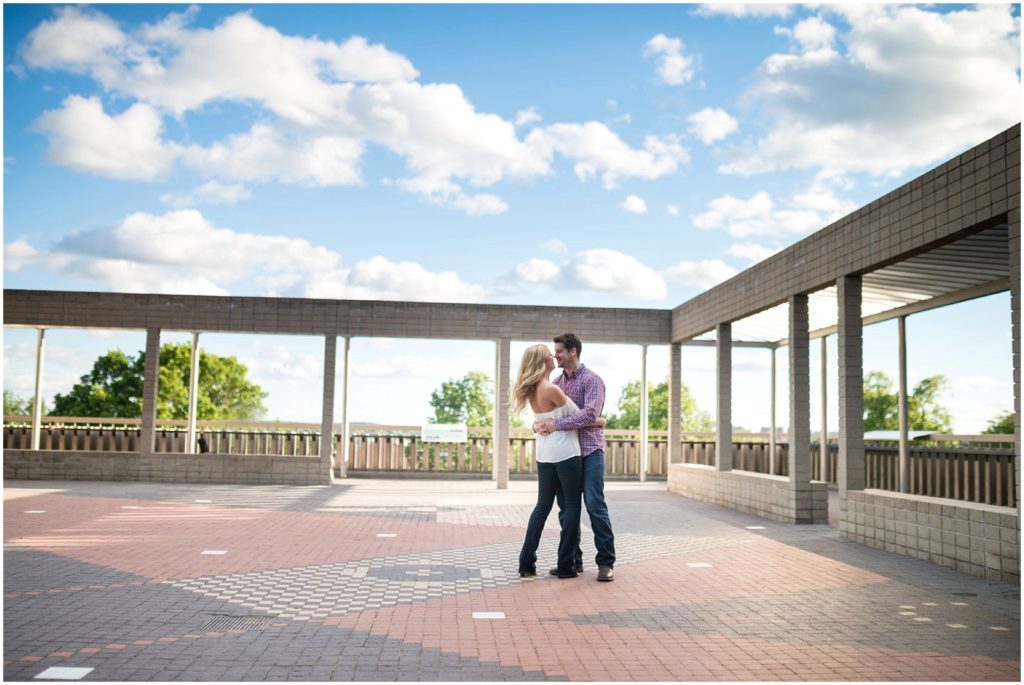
x: 532, y: 370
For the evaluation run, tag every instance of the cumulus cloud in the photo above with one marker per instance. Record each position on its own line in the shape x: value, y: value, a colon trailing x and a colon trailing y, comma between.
x: 674, y: 68
x: 379, y: 278
x: 884, y: 88
x: 760, y: 215
x: 598, y: 150
x: 711, y: 124
x: 322, y: 104
x: 126, y: 146
x: 701, y: 274
x: 611, y: 271
x: 741, y: 10
x: 537, y: 270
x: 265, y: 153
x: 752, y: 252
x: 17, y: 254
x: 672, y: 209
x: 555, y: 246
x: 634, y: 205
x: 211, y: 192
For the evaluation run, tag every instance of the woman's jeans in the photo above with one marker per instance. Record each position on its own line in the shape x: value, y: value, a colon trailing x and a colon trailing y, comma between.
x: 564, y: 479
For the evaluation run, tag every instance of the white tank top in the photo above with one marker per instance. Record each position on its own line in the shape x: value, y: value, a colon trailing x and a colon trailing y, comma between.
x: 560, y: 445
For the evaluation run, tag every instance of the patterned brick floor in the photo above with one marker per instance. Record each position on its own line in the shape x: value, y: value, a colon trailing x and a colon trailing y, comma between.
x: 374, y: 580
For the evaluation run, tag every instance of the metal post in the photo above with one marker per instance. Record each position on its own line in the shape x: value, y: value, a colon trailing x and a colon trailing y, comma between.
x: 823, y: 447
x: 644, y: 436
x: 193, y: 396
x: 345, y: 429
x: 904, y: 417
x: 37, y: 397
x: 327, y: 408
x: 772, y: 434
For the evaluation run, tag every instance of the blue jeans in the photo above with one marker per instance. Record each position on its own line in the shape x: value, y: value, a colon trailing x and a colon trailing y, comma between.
x: 563, y: 480
x: 597, y: 509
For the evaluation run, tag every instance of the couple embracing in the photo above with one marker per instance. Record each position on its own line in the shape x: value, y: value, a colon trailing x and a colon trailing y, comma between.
x: 570, y: 455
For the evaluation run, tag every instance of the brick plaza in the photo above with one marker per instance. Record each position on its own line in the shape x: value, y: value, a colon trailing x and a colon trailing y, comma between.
x: 384, y: 580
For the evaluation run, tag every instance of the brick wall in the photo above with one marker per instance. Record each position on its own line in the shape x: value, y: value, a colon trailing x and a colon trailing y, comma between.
x: 165, y: 468
x: 980, y: 539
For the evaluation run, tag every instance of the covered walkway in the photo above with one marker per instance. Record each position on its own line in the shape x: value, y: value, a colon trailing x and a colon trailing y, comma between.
x: 416, y: 580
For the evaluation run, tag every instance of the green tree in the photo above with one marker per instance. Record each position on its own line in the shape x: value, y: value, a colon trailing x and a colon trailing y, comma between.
x: 16, y: 405
x: 881, y: 404
x: 467, y: 400
x: 113, y: 388
x: 1001, y: 424
x: 628, y: 417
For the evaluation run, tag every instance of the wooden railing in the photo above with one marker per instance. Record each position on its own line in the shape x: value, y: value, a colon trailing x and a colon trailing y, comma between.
x: 948, y: 466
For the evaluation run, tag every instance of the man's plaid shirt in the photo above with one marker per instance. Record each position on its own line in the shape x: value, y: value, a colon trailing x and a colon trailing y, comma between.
x: 587, y: 390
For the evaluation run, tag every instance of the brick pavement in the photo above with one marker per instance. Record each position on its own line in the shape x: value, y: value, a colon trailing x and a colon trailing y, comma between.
x: 373, y: 580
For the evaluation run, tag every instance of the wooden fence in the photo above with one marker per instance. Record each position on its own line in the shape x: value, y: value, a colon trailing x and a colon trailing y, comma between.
x: 949, y: 466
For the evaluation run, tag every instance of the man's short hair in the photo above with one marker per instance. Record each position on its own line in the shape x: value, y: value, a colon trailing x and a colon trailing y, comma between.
x: 570, y: 342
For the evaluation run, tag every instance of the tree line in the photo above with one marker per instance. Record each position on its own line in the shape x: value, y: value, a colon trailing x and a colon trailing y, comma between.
x: 113, y: 389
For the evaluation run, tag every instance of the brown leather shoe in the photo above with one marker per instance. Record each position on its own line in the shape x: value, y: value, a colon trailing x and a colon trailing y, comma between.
x: 605, y: 574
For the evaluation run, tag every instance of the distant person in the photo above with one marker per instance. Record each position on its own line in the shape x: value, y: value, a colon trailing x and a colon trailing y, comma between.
x: 586, y: 389
x: 559, y: 463
x: 204, y: 447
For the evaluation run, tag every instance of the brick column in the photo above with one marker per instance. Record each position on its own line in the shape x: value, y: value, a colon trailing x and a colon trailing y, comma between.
x: 499, y: 461
x: 850, y: 332
x: 150, y: 380
x: 723, y: 417
x: 773, y: 438
x: 327, y: 416
x: 800, y: 409
x: 674, y: 396
x: 1014, y: 240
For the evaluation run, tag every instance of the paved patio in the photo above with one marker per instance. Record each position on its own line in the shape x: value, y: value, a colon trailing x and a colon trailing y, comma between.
x: 380, y: 580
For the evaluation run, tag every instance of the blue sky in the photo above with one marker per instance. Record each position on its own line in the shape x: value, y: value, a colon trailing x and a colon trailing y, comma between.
x: 600, y: 155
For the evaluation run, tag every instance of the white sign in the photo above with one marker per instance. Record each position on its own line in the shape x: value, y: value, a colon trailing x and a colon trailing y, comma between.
x: 444, y: 432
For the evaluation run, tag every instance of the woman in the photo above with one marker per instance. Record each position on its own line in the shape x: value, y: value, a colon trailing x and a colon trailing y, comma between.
x: 559, y: 463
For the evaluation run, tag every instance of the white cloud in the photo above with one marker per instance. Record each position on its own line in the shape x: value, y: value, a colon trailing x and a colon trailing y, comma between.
x: 752, y: 252
x: 901, y: 87
x: 18, y: 254
x: 634, y: 205
x: 600, y: 151
x: 211, y: 192
x: 76, y: 38
x: 554, y: 245
x: 760, y: 215
x: 745, y: 10
x: 268, y: 361
x: 410, y: 366
x: 612, y: 271
x: 527, y: 116
x: 381, y: 279
x: 537, y: 270
x: 712, y: 124
x: 265, y: 154
x: 674, y: 68
x: 672, y: 209
x: 481, y: 204
x: 702, y: 274
x: 126, y: 146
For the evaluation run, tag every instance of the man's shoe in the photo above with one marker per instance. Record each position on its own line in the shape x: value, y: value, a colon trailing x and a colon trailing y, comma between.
x: 578, y: 569
x: 528, y: 573
x: 605, y: 574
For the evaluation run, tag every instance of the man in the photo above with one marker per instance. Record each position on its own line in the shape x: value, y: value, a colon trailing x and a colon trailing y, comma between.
x: 587, y: 390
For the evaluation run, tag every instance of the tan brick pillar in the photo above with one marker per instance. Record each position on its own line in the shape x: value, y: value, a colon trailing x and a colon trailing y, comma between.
x: 723, y: 417
x: 1014, y: 245
x: 327, y: 417
x: 342, y: 456
x: 800, y: 409
x: 500, y: 433
x: 850, y: 332
x: 674, y: 396
x: 150, y: 381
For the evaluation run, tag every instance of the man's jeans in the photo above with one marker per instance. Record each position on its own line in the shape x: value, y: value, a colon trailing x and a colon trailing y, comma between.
x: 597, y: 509
x: 563, y: 479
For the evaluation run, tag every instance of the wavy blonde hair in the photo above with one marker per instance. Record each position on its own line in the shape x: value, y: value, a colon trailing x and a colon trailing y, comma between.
x: 532, y: 370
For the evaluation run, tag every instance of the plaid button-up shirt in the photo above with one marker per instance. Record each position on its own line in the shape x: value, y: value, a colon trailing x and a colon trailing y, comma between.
x: 587, y: 390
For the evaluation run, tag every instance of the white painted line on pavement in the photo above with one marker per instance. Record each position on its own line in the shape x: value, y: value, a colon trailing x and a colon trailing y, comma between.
x: 64, y: 673
x: 214, y: 551
x: 489, y: 614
